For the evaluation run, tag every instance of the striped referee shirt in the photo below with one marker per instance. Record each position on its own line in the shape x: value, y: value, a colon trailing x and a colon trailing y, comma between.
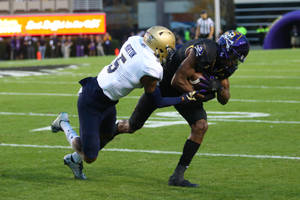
x: 205, y: 25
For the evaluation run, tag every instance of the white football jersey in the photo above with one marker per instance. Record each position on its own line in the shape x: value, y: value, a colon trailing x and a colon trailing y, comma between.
x: 134, y: 61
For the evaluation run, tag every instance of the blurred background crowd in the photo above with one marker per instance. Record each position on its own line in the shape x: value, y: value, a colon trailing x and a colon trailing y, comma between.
x: 188, y: 19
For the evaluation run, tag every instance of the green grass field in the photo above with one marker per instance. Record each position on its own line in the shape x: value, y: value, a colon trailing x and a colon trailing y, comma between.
x: 250, y: 152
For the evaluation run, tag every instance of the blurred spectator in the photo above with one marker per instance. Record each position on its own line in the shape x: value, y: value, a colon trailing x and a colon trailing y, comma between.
x: 86, y: 43
x: 107, y: 42
x: 63, y: 43
x: 58, y: 52
x: 100, y: 50
x: 187, y: 36
x: 92, y: 46
x: 19, y: 46
x: 261, y: 31
x: 29, y: 46
x: 42, y: 46
x: 53, y: 46
x: 295, y: 37
x: 79, y: 46
x: 242, y: 30
x: 205, y: 26
x: 12, y: 48
x: 67, y: 47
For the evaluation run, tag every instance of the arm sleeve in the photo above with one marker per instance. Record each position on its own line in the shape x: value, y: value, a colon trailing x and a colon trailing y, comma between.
x: 153, y: 69
x: 160, y: 101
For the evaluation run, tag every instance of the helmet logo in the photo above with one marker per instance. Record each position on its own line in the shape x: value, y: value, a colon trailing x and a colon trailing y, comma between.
x: 228, y: 36
x: 199, y: 50
x: 149, y: 38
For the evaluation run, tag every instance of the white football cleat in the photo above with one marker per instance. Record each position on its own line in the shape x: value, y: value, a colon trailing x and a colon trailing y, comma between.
x: 55, y: 126
x: 75, y: 167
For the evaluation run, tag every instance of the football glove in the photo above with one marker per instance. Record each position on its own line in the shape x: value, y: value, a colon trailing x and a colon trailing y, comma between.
x: 189, y: 97
x: 210, y: 85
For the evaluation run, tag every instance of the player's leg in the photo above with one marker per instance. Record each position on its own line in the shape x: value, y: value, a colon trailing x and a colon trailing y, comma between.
x: 196, y: 117
x: 141, y: 113
x: 90, y: 121
x: 108, y: 126
x: 61, y: 123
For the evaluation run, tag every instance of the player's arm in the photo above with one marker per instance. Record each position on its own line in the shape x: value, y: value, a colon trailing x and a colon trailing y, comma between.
x: 185, y: 71
x: 211, y: 33
x: 153, y: 92
x: 223, y: 94
x: 197, y: 32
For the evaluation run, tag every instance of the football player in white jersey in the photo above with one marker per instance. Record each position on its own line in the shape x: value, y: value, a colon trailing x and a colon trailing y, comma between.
x: 139, y: 64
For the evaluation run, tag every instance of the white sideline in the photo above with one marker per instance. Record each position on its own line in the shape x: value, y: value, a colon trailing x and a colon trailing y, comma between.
x: 159, y: 152
x: 136, y: 97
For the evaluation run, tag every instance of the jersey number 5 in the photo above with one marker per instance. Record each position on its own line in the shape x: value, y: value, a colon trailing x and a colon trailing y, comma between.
x: 116, y: 63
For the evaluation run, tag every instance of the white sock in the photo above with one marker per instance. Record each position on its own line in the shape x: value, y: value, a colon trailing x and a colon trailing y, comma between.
x: 76, y: 157
x: 70, y: 133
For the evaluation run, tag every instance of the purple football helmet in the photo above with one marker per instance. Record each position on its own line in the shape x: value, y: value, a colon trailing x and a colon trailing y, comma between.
x: 233, y: 46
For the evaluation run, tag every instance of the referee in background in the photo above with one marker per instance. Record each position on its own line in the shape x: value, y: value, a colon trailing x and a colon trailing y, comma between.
x: 205, y: 26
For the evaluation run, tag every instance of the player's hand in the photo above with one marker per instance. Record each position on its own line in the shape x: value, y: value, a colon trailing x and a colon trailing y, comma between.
x: 210, y: 84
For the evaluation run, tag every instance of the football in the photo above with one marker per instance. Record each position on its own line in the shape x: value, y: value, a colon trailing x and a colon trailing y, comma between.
x: 198, y: 81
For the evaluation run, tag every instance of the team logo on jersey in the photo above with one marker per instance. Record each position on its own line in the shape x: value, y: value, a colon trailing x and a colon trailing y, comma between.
x: 199, y: 50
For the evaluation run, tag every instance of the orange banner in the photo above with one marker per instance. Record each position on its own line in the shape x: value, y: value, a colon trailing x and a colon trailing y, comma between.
x: 59, y: 24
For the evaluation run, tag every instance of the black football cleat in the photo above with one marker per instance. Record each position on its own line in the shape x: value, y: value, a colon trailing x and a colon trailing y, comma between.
x: 176, y: 181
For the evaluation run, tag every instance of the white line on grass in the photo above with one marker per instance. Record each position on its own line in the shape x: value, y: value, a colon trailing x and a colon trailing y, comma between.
x: 74, y: 83
x: 42, y: 82
x: 136, y: 97
x: 159, y: 152
x: 265, y: 87
x: 160, y: 118
x: 37, y: 94
x: 266, y: 77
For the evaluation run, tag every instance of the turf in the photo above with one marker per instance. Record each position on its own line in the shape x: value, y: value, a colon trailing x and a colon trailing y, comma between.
x: 268, y: 82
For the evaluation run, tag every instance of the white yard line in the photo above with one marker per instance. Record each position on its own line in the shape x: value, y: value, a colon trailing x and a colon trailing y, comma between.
x: 265, y: 87
x: 159, y: 152
x: 36, y: 94
x: 266, y: 77
x: 210, y: 118
x: 76, y: 82
x: 136, y: 97
x: 264, y: 101
x: 42, y: 82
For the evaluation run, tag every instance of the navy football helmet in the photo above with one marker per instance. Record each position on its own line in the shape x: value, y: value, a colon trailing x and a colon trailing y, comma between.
x: 233, y: 45
x: 233, y: 49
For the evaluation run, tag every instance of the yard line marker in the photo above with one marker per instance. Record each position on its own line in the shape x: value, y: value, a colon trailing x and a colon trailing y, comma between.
x: 263, y: 101
x: 42, y: 82
x: 75, y: 82
x: 266, y: 77
x: 265, y: 87
x: 37, y: 94
x: 137, y: 97
x: 210, y: 118
x: 159, y: 152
